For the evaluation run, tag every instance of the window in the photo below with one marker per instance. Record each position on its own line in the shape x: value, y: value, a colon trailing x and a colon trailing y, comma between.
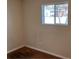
x: 55, y: 14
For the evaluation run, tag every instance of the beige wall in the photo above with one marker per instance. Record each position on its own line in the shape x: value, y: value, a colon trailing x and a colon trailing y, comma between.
x: 55, y: 39
x: 14, y: 24
x: 27, y: 28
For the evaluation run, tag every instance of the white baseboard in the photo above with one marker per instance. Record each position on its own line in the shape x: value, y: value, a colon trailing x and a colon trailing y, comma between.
x: 15, y: 48
x: 47, y: 52
x: 38, y: 50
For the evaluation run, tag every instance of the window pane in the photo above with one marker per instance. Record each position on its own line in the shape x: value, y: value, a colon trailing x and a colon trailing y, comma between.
x: 49, y: 14
x: 57, y: 20
x: 49, y: 20
x: 55, y: 14
x: 48, y: 10
x: 62, y: 13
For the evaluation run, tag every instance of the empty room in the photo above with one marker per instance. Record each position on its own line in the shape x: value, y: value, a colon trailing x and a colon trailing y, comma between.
x: 38, y: 29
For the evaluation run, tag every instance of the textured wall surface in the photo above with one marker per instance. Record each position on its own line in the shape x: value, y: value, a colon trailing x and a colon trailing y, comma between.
x: 14, y: 24
x: 55, y: 39
x: 24, y: 27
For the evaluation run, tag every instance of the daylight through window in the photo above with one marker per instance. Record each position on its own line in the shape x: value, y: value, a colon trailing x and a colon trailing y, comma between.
x: 55, y: 14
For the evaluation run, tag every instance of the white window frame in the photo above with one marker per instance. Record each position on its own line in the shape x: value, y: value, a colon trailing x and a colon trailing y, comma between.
x: 54, y: 15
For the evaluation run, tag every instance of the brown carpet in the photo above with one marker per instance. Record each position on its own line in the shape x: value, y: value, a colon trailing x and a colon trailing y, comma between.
x: 28, y: 53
